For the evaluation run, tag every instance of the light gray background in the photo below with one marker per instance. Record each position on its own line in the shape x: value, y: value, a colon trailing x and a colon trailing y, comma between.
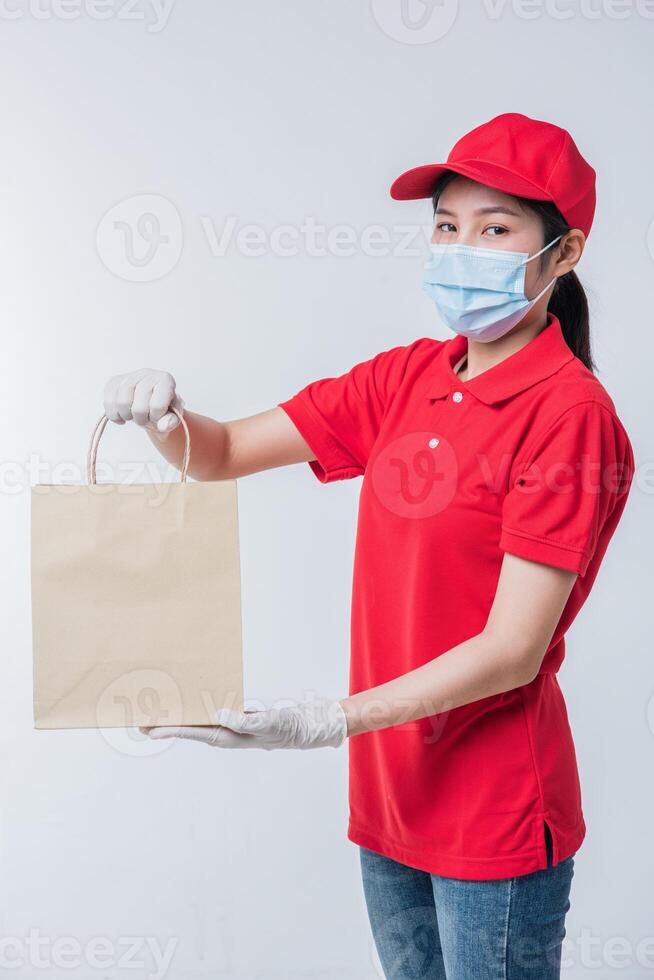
x: 275, y: 114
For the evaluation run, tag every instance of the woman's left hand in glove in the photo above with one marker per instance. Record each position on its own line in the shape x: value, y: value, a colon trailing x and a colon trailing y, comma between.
x: 308, y: 725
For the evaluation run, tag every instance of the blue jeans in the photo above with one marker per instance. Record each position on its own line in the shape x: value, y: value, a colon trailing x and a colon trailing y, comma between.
x: 428, y: 927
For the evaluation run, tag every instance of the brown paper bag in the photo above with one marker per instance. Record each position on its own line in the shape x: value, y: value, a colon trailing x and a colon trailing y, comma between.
x: 136, y: 606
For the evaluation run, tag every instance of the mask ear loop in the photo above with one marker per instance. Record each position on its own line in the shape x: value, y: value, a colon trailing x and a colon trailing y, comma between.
x: 553, y: 242
x: 543, y: 249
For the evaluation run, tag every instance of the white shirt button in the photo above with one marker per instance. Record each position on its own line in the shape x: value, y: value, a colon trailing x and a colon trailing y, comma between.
x: 432, y: 443
x: 457, y: 396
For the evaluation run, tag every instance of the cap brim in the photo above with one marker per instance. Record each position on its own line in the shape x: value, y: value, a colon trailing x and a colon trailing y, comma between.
x: 419, y: 181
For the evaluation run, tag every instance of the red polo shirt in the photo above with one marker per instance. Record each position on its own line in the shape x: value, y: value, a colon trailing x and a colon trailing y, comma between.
x: 528, y: 457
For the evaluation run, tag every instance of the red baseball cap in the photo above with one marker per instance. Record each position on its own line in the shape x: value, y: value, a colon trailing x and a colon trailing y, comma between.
x: 518, y: 155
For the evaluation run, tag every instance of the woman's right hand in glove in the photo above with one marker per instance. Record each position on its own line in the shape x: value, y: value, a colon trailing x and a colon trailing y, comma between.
x: 146, y: 397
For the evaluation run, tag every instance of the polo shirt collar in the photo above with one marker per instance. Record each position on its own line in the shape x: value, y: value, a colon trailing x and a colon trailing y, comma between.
x: 537, y: 360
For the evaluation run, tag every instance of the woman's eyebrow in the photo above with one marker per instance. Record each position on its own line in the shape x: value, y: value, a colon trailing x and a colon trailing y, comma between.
x: 497, y: 209
x: 491, y: 209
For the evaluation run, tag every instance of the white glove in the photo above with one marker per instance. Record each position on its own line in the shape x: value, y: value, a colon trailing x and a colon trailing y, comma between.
x: 309, y: 725
x: 144, y: 396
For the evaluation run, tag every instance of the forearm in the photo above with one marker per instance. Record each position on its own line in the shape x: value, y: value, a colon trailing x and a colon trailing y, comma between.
x: 236, y: 448
x: 477, y: 668
x: 209, y: 446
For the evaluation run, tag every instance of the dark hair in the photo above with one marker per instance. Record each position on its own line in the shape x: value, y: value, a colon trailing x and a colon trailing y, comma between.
x: 568, y: 301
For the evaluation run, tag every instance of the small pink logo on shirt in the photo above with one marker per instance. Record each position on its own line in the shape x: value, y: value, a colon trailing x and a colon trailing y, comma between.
x: 415, y: 475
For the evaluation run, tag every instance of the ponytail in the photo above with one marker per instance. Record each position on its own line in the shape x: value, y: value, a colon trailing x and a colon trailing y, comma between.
x: 568, y: 302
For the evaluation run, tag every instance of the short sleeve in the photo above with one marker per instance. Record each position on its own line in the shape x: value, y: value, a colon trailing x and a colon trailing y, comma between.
x: 340, y: 417
x: 571, y: 490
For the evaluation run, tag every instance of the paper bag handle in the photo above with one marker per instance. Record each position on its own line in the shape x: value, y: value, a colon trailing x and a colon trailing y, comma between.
x: 99, y: 429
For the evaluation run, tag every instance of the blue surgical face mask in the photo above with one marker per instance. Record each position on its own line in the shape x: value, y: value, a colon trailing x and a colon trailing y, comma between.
x: 479, y: 292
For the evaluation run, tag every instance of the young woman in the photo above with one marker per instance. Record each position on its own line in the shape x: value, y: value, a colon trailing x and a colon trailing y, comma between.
x: 495, y: 470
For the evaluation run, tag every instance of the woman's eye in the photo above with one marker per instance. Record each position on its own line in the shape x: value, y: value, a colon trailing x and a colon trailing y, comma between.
x: 496, y: 230
x: 445, y: 226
